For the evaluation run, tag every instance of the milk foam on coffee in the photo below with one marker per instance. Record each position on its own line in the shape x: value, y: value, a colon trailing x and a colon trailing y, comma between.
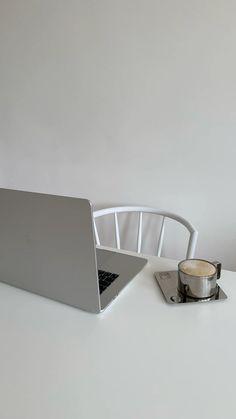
x: 197, y: 267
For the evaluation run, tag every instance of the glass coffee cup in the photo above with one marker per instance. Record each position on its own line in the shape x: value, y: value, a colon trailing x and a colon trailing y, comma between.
x: 197, y: 278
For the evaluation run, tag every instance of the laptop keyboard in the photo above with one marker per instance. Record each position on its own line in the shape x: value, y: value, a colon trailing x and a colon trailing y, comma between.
x: 105, y: 279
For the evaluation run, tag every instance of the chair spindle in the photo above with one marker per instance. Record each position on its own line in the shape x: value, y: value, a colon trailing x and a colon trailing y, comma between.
x: 140, y: 233
x: 117, y: 231
x: 96, y: 233
x: 161, y: 238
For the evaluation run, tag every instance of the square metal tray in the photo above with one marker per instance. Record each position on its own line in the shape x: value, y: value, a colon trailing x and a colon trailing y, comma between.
x: 168, y: 282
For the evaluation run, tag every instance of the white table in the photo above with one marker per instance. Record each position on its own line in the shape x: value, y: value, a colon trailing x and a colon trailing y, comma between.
x: 140, y: 359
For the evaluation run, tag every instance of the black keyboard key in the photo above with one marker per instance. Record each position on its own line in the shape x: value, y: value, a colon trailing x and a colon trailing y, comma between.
x: 105, y: 279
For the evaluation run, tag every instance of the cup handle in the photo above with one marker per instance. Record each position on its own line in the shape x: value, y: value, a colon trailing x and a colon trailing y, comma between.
x: 218, y: 268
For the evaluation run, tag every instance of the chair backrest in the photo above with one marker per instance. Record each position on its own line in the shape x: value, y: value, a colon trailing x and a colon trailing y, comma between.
x: 193, y: 234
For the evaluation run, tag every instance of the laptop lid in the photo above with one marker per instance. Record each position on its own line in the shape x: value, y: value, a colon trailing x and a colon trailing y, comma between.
x: 47, y: 247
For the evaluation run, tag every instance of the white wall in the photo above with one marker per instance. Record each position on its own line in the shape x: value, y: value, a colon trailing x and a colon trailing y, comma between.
x: 126, y: 101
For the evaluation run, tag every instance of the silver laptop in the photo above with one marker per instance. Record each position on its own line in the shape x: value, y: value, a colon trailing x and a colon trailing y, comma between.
x: 47, y: 247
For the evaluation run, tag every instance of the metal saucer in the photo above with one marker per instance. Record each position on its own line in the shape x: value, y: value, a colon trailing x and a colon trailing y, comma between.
x: 168, y: 282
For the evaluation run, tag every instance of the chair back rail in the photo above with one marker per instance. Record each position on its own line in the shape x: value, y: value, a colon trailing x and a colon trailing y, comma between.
x: 193, y: 234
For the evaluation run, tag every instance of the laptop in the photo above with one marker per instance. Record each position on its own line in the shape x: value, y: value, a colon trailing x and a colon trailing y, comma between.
x: 47, y: 247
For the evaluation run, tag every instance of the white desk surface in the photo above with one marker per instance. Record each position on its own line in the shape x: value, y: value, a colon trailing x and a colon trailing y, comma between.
x: 140, y: 359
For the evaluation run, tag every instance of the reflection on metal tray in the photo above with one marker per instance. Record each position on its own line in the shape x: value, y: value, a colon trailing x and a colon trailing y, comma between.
x: 168, y: 282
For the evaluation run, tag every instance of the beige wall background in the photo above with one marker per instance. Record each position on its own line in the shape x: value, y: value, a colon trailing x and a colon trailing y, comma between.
x: 124, y: 102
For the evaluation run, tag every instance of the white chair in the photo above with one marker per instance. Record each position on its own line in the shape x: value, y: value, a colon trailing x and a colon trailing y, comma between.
x: 193, y: 234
